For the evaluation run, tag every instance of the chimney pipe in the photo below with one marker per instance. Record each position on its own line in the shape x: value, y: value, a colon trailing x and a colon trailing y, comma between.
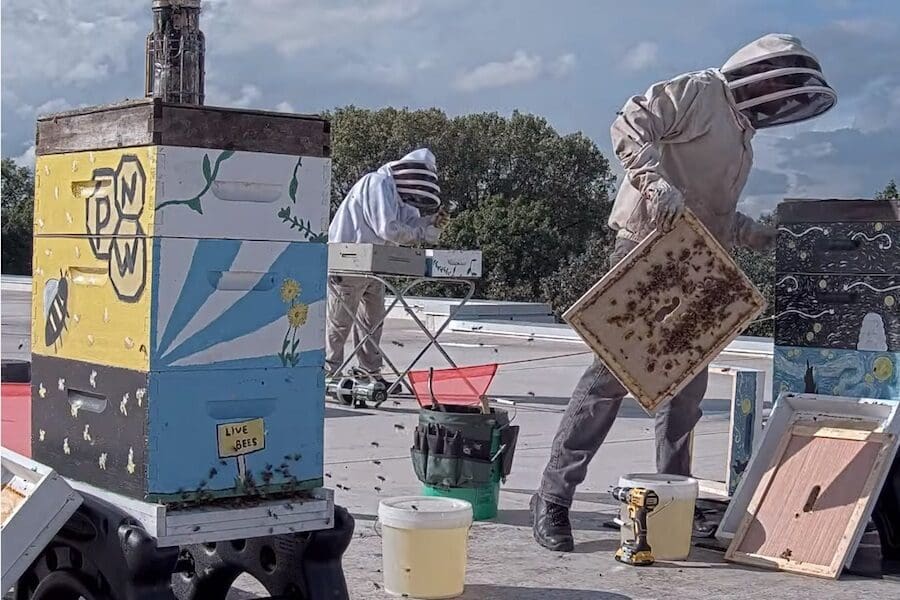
x: 176, y: 50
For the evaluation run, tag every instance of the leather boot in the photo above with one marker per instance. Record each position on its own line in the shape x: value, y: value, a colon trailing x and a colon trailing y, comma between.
x: 551, y: 525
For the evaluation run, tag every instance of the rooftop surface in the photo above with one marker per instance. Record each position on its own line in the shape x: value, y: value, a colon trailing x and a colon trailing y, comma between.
x: 504, y: 561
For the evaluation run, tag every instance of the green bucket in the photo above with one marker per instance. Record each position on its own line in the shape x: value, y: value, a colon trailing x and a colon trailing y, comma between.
x: 484, y: 499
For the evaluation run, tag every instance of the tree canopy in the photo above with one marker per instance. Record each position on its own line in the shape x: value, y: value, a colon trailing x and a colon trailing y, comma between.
x: 18, y: 207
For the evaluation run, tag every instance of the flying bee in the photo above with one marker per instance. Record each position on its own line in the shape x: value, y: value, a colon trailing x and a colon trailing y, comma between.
x: 56, y: 309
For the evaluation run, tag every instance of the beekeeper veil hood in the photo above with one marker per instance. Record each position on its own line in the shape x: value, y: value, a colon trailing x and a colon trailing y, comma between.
x: 776, y: 81
x: 416, y: 178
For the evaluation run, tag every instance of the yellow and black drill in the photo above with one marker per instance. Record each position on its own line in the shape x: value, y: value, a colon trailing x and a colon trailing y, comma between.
x: 640, y: 502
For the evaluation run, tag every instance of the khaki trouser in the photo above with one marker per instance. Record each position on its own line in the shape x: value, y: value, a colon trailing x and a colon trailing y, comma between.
x: 364, y: 298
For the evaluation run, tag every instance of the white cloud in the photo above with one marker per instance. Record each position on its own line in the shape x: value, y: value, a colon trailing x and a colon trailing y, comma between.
x: 52, y: 106
x: 563, y: 65
x: 248, y: 94
x: 285, y: 106
x: 295, y: 25
x: 640, y: 56
x: 52, y: 41
x: 521, y: 68
x: 394, y: 73
x: 26, y: 159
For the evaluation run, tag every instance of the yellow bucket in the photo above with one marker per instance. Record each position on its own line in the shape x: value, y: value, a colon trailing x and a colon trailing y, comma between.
x: 423, y: 545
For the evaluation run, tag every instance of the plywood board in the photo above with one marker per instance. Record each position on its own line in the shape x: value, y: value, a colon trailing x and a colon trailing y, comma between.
x: 666, y: 310
x: 812, y: 499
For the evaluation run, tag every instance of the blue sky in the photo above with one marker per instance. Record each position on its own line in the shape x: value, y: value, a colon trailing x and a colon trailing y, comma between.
x: 573, y: 61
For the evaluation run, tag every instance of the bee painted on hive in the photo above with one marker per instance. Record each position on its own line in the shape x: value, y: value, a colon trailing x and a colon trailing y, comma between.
x: 56, y: 309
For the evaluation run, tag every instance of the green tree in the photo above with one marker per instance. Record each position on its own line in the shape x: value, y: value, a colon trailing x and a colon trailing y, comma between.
x: 18, y: 208
x: 529, y: 198
x: 760, y: 268
x: 889, y: 192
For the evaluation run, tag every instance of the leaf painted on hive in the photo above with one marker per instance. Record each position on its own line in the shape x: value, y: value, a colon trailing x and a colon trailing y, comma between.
x: 207, y: 172
x: 294, y: 345
x: 194, y: 204
x: 225, y: 155
x: 285, y: 345
x: 292, y: 190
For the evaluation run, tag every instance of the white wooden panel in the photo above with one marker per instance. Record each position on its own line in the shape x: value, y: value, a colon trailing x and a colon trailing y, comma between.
x: 241, y: 195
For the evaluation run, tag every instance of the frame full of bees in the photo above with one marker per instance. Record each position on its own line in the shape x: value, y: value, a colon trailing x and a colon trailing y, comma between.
x: 665, y: 311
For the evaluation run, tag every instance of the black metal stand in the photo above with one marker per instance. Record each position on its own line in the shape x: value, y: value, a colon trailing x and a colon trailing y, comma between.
x: 103, y: 554
x: 100, y: 554
x: 304, y: 566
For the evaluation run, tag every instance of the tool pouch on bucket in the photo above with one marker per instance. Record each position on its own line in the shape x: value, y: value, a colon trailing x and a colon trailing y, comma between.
x: 453, y: 449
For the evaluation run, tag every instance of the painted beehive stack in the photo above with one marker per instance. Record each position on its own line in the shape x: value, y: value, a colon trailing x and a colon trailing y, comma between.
x: 179, y: 299
x: 838, y: 298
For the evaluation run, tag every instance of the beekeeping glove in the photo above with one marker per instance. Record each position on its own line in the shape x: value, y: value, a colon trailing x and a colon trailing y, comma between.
x: 667, y: 203
x: 432, y: 234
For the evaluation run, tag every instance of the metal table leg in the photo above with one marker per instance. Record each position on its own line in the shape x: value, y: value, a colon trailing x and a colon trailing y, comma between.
x: 432, y: 339
x: 400, y: 298
x: 366, y: 334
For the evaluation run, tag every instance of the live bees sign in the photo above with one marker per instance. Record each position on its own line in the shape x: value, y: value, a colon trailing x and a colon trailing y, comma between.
x: 244, y: 437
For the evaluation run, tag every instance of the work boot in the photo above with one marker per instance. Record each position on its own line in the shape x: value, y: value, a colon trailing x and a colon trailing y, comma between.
x: 702, y: 528
x: 551, y: 525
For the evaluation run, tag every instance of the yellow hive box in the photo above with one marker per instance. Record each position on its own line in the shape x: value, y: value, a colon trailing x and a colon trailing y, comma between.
x: 128, y: 274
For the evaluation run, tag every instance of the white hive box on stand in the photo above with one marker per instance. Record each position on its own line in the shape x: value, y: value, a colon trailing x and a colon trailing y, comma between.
x: 666, y: 310
x: 374, y: 258
x: 37, y: 502
x: 455, y: 264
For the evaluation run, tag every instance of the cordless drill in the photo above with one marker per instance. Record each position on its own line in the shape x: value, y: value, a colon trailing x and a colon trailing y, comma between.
x: 640, y: 502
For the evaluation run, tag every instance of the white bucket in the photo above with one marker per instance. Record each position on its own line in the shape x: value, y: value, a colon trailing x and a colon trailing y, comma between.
x: 670, y: 524
x: 423, y: 545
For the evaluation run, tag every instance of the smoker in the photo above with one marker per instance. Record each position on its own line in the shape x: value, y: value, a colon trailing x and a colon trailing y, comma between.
x: 176, y: 50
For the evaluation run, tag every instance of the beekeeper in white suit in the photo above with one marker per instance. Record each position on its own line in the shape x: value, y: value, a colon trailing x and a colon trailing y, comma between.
x: 685, y: 142
x: 381, y: 208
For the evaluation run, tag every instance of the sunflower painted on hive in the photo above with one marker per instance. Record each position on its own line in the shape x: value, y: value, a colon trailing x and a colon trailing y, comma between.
x: 297, y: 315
x: 290, y: 290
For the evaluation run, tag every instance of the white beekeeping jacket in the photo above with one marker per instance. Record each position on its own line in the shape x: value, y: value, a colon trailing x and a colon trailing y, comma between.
x: 692, y: 132
x: 373, y: 212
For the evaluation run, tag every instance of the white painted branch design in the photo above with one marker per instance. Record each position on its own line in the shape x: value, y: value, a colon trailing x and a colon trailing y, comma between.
x: 850, y: 286
x: 800, y: 235
x: 881, y: 245
x: 830, y: 311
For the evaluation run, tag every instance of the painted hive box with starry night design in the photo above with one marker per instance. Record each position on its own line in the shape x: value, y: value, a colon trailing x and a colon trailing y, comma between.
x: 178, y: 300
x: 837, y: 329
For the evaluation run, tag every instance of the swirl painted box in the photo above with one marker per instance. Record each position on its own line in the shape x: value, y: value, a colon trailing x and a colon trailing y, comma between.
x: 837, y: 298
x: 178, y: 302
